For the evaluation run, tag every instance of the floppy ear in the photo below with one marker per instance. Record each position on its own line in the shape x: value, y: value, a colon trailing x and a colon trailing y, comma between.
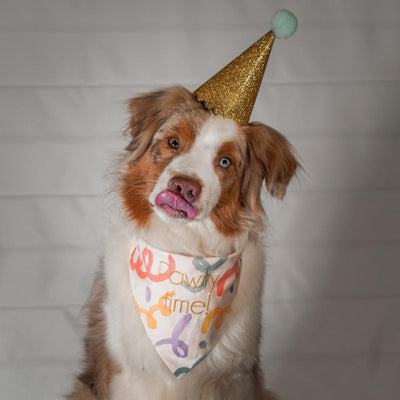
x: 272, y: 158
x: 148, y: 112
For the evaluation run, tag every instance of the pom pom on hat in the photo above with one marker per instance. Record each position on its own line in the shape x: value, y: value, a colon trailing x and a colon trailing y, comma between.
x: 283, y: 24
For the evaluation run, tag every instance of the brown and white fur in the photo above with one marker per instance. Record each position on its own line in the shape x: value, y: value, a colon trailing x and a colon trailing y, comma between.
x: 120, y: 361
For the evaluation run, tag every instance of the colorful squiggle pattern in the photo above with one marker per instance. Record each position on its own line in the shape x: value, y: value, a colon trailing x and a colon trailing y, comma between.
x: 204, y: 266
x: 160, y: 306
x: 235, y: 270
x: 182, y: 301
x: 185, y: 370
x: 146, y: 259
x: 219, y: 314
x: 179, y: 347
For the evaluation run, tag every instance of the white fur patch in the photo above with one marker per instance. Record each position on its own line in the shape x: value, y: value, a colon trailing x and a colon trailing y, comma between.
x: 198, y: 163
x: 231, y: 360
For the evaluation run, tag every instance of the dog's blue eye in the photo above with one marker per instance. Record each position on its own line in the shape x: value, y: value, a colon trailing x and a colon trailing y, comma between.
x: 225, y: 162
x: 173, y: 142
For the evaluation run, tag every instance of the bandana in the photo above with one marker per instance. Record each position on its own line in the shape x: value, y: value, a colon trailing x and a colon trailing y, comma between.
x: 182, y: 301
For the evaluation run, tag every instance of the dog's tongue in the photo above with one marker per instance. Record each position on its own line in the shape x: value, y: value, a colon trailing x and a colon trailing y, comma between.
x: 174, y: 205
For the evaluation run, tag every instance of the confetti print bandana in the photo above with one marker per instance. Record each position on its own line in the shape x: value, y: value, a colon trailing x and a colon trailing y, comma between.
x: 182, y: 301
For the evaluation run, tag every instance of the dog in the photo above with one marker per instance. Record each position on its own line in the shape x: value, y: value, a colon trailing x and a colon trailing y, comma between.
x: 189, y: 183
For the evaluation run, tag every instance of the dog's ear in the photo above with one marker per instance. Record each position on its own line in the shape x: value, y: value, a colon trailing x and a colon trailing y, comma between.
x: 271, y: 157
x: 149, y: 111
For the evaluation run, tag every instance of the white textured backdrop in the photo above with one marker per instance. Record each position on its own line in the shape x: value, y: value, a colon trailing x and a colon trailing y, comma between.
x: 332, y: 300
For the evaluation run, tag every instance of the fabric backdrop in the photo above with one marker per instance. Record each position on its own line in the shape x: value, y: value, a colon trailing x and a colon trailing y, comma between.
x: 332, y: 298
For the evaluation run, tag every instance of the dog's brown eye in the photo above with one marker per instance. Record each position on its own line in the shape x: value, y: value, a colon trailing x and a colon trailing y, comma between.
x: 225, y: 162
x: 173, y: 142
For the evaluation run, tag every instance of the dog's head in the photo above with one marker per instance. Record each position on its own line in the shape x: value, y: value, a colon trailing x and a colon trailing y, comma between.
x: 186, y: 164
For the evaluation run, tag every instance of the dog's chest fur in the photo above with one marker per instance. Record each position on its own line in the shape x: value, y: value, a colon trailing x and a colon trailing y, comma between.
x: 129, y: 345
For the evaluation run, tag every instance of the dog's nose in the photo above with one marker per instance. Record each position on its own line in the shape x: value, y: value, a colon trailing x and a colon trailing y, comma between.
x: 187, y: 188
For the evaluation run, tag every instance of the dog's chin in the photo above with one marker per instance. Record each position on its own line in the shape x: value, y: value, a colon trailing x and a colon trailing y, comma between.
x: 171, y: 216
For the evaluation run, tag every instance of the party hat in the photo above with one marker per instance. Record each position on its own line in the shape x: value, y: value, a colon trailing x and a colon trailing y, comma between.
x: 232, y: 91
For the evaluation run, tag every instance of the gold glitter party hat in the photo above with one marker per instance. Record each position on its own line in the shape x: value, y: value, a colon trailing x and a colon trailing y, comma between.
x: 232, y: 91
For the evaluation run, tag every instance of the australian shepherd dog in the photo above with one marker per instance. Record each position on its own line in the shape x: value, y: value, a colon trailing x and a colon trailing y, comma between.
x: 189, y: 185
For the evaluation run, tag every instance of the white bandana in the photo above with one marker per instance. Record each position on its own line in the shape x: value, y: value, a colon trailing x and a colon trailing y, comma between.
x: 182, y: 301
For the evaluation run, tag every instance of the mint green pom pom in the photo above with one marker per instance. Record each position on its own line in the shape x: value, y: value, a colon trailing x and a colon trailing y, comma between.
x: 284, y: 24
